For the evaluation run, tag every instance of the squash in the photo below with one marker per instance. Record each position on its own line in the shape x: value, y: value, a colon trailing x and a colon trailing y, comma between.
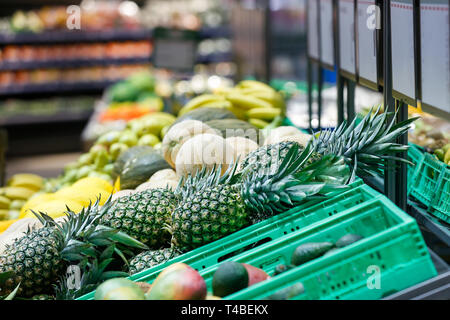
x: 165, y: 174
x: 241, y: 147
x: 287, y: 133
x: 179, y: 134
x: 140, y: 166
x: 235, y: 128
x: 127, y: 155
x: 206, y: 114
x: 203, y: 150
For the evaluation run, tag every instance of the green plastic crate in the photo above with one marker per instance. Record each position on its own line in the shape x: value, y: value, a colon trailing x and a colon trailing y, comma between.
x: 415, y: 155
x: 441, y: 203
x: 391, y: 242
x: 257, y: 234
x: 432, y: 187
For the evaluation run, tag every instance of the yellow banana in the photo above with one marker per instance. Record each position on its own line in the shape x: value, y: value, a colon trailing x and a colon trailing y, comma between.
x: 26, y: 180
x: 263, y: 113
x: 160, y: 115
x: 222, y: 91
x: 274, y: 98
x: 4, y: 202
x: 218, y: 104
x: 253, y: 84
x: 199, y: 101
x: 238, y: 112
x: 16, y: 193
x: 261, y: 124
x: 4, y: 214
x: 247, y: 102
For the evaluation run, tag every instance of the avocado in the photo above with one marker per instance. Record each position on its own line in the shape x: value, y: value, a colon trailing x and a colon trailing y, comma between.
x: 123, y: 92
x: 230, y: 277
x: 287, y: 293
x: 347, y: 240
x: 309, y: 251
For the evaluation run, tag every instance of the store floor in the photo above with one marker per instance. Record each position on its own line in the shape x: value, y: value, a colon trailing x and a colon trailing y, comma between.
x: 44, y: 165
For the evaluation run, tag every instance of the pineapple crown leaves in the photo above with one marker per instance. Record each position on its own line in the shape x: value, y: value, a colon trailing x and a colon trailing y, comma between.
x: 366, y: 145
x: 292, y: 183
x: 81, y: 233
x: 93, y: 273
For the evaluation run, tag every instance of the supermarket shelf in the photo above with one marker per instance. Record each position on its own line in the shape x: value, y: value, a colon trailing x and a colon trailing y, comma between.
x: 215, y: 57
x: 61, y: 116
x: 439, y: 228
x: 75, y: 36
x: 59, y: 64
x: 55, y: 87
x: 96, y: 36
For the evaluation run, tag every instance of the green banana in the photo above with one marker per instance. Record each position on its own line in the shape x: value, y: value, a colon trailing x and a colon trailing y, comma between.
x: 264, y: 113
x: 199, y: 101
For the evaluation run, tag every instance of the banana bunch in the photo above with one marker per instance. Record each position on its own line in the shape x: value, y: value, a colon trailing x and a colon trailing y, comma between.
x: 250, y: 100
x: 17, y: 191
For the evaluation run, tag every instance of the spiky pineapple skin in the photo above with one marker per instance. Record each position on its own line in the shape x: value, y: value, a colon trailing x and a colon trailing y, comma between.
x: 36, y: 262
x: 43, y: 297
x: 208, y: 215
x: 143, y: 215
x: 269, y: 157
x: 151, y: 258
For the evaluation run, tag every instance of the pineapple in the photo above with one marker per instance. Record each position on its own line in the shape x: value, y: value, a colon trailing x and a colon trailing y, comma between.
x: 214, y: 206
x: 364, y: 147
x: 38, y: 258
x: 152, y: 258
x: 143, y: 215
x: 43, y: 297
x: 224, y: 204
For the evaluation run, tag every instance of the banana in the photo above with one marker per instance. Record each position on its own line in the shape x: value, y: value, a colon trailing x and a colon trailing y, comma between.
x: 199, y: 101
x: 162, y: 115
x: 253, y: 84
x: 238, y: 112
x: 222, y: 91
x: 247, y: 102
x: 4, y: 214
x: 274, y: 98
x: 26, y: 180
x: 261, y: 124
x: 4, y: 202
x: 263, y: 113
x: 218, y: 104
x: 16, y: 193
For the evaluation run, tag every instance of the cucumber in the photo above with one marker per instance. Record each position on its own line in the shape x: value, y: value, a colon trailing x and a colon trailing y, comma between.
x: 310, y: 251
x: 287, y: 293
x: 348, y: 239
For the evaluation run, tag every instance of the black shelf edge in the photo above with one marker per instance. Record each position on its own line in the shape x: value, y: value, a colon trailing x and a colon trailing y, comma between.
x: 435, y: 288
x: 55, y: 88
x: 214, y: 57
x: 215, y: 32
x: 67, y: 116
x: 61, y: 64
x: 75, y: 36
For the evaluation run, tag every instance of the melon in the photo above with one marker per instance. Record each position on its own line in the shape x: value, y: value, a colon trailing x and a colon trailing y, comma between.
x: 171, y: 184
x: 241, y: 147
x: 287, y: 133
x: 178, y: 135
x: 204, y: 150
x: 165, y: 174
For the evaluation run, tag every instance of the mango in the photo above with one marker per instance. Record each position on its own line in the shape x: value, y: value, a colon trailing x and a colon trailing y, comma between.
x: 178, y: 282
x: 255, y: 275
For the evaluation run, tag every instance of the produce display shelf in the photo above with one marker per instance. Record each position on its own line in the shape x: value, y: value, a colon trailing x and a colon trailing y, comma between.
x: 55, y: 87
x: 61, y: 116
x: 253, y: 236
x: 60, y: 64
x: 67, y: 36
x: 392, y: 244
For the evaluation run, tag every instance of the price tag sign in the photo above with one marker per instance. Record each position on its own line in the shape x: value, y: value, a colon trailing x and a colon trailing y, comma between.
x: 435, y: 56
x: 326, y: 34
x: 367, y: 43
x: 313, y: 29
x: 175, y: 49
x: 347, y: 50
x: 403, y: 63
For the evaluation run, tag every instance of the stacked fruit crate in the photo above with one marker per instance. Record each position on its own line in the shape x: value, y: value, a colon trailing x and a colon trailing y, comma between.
x: 391, y: 247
